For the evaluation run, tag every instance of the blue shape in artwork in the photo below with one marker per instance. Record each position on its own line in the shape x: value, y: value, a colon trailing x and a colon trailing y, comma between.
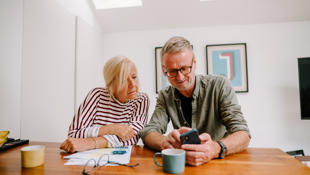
x: 220, y: 65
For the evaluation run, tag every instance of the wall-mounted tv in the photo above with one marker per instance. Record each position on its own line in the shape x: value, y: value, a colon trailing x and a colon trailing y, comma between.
x: 304, y: 86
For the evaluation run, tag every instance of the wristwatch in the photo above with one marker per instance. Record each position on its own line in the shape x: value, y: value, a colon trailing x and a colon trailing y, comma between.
x: 223, y: 150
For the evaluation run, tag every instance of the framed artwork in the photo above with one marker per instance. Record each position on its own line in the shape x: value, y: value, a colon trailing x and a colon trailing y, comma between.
x: 230, y: 61
x: 161, y: 79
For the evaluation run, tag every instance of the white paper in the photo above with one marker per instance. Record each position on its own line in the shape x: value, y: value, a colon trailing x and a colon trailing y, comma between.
x: 81, y: 158
x: 306, y: 163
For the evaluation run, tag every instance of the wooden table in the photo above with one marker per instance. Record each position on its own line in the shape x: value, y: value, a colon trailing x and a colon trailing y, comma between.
x: 253, y: 161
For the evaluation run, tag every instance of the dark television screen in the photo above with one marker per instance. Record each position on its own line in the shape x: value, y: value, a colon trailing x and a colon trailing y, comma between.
x: 304, y: 86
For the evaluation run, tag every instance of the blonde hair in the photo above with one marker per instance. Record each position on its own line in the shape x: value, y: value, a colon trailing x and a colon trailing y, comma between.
x: 115, y: 73
x: 176, y: 44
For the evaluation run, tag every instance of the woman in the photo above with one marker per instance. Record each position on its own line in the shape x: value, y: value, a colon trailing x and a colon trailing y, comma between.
x: 111, y: 116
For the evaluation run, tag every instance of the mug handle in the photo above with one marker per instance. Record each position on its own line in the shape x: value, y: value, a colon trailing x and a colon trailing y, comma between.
x: 154, y: 159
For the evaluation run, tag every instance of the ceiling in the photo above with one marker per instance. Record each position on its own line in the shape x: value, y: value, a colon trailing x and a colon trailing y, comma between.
x: 167, y: 14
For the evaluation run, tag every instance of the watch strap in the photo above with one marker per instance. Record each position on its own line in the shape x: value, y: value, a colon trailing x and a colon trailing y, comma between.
x: 222, y: 151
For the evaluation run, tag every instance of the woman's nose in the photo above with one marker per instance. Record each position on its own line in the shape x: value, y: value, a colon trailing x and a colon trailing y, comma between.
x: 131, y: 83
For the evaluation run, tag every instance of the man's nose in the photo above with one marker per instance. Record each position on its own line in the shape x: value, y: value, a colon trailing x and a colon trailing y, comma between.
x: 179, y: 76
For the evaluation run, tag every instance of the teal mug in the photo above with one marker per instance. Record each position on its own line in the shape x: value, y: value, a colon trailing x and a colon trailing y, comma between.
x: 173, y: 160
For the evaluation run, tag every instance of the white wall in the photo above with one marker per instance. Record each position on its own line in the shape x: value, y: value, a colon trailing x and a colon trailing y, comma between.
x: 82, y: 9
x: 272, y: 105
x: 47, y: 71
x: 61, y: 62
x: 90, y: 60
x: 39, y: 62
x: 10, y: 65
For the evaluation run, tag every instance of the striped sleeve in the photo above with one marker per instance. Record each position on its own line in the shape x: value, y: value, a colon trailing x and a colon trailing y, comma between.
x: 137, y: 122
x: 81, y: 126
x: 113, y: 141
x: 139, y: 119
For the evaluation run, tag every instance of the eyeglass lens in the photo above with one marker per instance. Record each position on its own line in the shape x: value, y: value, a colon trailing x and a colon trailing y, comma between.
x: 183, y: 70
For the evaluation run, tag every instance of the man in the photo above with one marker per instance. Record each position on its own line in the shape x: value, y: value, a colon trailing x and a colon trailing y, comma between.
x: 207, y: 103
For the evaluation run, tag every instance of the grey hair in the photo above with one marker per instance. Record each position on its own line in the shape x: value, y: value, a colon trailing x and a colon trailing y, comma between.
x: 175, y: 44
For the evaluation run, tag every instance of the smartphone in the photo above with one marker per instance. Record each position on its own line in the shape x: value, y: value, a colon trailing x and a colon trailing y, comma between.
x: 190, y: 137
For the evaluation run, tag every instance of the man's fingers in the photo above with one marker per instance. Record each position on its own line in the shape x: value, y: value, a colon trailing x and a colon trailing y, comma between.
x: 204, y: 137
x: 184, y: 129
x: 194, y: 162
x: 167, y: 145
x: 174, y: 138
x: 191, y: 147
x: 175, y: 134
x: 195, y: 158
x: 171, y: 139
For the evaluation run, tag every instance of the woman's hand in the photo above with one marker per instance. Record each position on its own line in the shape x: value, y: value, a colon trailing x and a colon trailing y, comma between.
x: 123, y: 131
x: 72, y: 145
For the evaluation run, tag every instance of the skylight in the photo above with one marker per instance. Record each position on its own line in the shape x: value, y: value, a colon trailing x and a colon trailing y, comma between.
x: 109, y: 4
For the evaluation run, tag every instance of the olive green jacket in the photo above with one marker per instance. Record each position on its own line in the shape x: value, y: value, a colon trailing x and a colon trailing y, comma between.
x: 215, y: 109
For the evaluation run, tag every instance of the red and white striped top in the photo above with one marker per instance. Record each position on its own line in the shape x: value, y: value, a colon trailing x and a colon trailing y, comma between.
x: 100, y: 108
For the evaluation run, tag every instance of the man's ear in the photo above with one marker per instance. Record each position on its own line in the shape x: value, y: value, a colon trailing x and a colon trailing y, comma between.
x: 194, y: 63
x: 163, y: 70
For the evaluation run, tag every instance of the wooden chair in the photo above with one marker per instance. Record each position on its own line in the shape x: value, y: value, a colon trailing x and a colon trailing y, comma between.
x: 296, y: 152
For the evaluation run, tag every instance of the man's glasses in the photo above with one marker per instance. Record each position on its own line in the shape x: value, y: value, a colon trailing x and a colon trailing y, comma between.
x: 174, y: 72
x: 103, y: 160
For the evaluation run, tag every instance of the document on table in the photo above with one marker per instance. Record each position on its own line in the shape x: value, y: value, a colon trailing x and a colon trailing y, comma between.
x: 81, y: 158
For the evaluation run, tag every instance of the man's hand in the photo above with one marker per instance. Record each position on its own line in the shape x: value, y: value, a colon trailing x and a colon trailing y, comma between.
x: 172, y: 140
x: 198, y: 154
x: 72, y: 145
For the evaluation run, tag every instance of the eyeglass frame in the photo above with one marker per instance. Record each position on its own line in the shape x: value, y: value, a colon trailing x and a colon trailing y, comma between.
x: 179, y: 70
x: 97, y: 164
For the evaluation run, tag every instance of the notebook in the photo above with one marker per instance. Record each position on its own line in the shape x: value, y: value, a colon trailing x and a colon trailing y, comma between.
x: 11, y: 143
